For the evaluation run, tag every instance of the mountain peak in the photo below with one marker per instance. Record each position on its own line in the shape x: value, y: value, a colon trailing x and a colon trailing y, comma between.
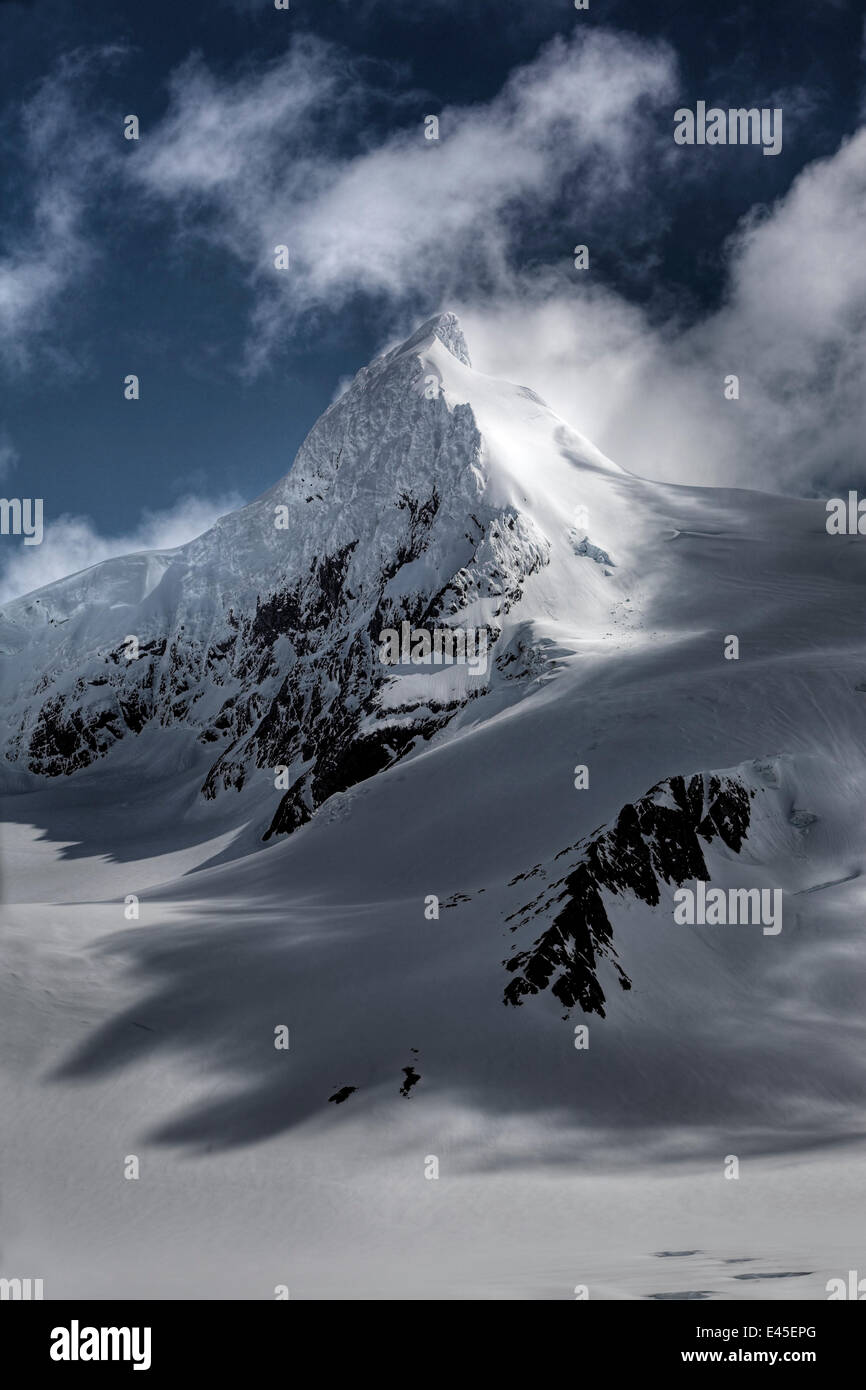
x: 445, y: 327
x: 260, y: 640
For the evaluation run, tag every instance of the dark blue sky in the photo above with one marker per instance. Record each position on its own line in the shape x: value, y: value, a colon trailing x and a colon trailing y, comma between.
x: 177, y: 313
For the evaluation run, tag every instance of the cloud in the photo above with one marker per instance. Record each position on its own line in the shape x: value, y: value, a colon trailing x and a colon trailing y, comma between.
x: 651, y: 392
x: 259, y: 161
x: 63, y: 158
x: 324, y: 151
x: 71, y: 543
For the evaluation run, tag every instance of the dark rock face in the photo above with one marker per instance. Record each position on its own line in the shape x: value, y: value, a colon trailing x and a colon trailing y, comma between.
x: 657, y: 838
x: 342, y: 1095
x: 351, y: 758
x: 412, y: 1078
x: 293, y: 683
x: 324, y: 719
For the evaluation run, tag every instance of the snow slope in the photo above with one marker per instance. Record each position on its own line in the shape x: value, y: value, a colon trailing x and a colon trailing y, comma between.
x: 558, y: 1165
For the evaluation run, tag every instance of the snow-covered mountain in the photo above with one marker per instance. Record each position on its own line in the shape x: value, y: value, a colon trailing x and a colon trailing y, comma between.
x: 427, y: 494
x: 472, y: 858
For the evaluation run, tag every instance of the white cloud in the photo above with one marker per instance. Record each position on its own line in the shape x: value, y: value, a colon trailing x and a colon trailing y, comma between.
x: 71, y: 543
x: 259, y: 159
x: 651, y: 394
x: 403, y: 218
x: 62, y: 158
x: 252, y: 162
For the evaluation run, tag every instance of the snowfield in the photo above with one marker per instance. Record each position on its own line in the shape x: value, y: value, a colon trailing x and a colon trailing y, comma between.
x: 432, y: 494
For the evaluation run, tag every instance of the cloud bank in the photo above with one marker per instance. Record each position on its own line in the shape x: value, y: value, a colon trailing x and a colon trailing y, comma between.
x: 651, y: 394
x: 297, y: 151
x: 257, y: 162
